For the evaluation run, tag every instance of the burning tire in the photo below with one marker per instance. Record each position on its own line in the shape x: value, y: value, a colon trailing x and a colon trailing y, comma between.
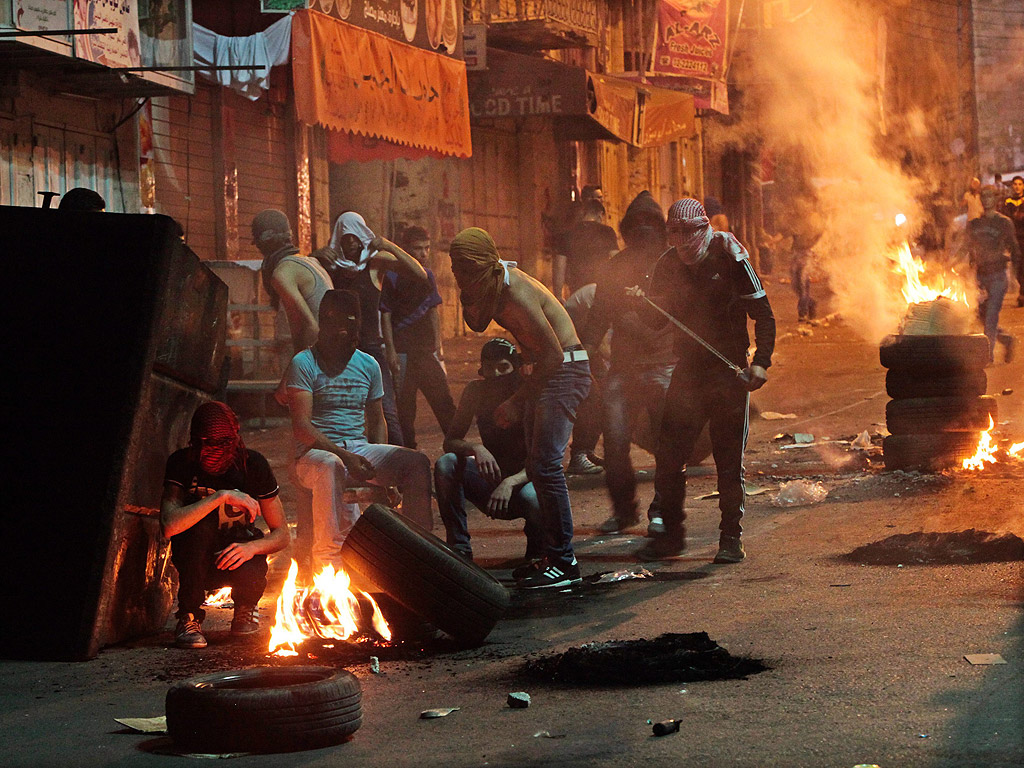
x: 931, y: 451
x: 266, y: 709
x: 923, y: 415
x: 419, y: 571
x: 968, y: 352
x: 902, y: 384
x: 937, y: 383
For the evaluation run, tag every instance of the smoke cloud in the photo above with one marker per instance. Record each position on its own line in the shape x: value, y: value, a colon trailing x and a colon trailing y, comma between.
x: 818, y: 98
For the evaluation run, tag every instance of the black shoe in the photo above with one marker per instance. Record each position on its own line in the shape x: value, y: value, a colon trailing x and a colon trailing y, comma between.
x: 189, y: 632
x: 246, y: 620
x: 667, y: 545
x: 527, y: 568
x: 656, y: 527
x: 616, y: 524
x: 730, y: 550
x: 552, y: 573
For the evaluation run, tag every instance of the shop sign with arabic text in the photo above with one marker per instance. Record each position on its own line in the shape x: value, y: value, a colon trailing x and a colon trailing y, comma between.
x: 691, y: 39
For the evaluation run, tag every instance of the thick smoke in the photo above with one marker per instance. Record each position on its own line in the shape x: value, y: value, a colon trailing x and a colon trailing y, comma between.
x: 818, y: 81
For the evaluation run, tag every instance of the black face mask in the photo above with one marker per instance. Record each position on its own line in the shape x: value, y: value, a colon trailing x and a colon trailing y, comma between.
x: 504, y: 385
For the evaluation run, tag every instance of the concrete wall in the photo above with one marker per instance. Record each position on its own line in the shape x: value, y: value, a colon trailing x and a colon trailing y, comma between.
x: 999, y: 83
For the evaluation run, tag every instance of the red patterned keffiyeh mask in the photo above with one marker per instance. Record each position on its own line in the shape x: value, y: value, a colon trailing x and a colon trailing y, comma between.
x: 215, y: 435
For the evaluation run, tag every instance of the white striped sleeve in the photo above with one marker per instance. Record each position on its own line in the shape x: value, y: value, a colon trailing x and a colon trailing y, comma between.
x: 749, y: 285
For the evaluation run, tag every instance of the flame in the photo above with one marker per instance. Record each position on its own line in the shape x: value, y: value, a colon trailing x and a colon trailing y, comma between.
x: 986, y: 452
x: 1016, y: 451
x: 219, y: 598
x: 914, y: 290
x: 328, y: 609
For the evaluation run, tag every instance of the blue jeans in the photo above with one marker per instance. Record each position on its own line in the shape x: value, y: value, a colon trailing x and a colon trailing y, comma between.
x: 624, y: 391
x: 800, y: 279
x: 548, y: 425
x: 993, y: 285
x: 457, y: 479
x: 389, y: 402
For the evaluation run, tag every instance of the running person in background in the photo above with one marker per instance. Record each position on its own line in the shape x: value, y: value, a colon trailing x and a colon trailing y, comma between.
x: 494, y: 289
x: 989, y: 244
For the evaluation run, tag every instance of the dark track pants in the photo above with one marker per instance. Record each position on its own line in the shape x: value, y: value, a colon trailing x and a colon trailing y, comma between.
x: 717, y: 400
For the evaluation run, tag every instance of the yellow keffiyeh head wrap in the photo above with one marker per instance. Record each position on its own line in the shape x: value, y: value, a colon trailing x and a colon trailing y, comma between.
x: 480, y: 273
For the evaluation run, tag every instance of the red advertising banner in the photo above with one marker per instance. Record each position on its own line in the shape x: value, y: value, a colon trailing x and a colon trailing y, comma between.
x: 691, y: 39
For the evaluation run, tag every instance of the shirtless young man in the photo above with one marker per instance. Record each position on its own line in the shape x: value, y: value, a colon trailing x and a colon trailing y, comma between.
x: 493, y: 289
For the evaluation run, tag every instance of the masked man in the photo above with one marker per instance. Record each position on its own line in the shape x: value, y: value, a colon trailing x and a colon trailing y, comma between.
x: 213, y: 492
x: 491, y: 288
x: 357, y: 261
x: 335, y: 394
x: 707, y: 282
x: 491, y: 473
x: 641, y: 357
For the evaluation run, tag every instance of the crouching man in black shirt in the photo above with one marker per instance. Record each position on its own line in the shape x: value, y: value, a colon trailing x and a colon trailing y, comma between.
x: 706, y: 281
x: 213, y: 492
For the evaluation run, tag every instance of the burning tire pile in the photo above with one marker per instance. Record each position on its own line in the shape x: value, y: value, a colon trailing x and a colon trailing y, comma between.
x: 939, y: 405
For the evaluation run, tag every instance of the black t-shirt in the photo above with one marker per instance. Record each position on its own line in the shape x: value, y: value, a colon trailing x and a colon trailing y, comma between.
x: 257, y: 480
x: 507, y: 444
x: 586, y: 247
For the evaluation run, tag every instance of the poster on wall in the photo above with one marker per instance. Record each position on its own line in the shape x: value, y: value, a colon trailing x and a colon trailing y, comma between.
x: 435, y: 25
x: 40, y: 15
x: 120, y: 49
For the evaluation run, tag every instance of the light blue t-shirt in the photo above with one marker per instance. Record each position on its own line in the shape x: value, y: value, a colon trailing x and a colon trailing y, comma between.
x: 339, y: 403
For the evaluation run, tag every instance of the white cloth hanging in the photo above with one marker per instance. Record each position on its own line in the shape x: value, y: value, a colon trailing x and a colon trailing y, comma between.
x: 263, y: 50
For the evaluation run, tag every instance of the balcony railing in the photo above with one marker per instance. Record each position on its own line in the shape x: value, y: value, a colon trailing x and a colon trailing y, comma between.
x: 539, y: 23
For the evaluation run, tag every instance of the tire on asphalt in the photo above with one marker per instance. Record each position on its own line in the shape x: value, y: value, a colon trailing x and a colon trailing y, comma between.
x: 901, y: 384
x: 968, y: 352
x: 423, y: 574
x: 265, y: 709
x: 934, y: 451
x: 924, y: 415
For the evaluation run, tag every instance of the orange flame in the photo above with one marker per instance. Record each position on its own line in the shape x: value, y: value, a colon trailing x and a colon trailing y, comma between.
x: 986, y: 452
x: 219, y: 598
x: 328, y: 609
x: 915, y: 290
x: 1016, y: 451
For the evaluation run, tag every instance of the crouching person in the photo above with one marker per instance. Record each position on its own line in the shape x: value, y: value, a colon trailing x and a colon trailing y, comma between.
x: 213, y: 492
x: 335, y: 393
x: 491, y: 474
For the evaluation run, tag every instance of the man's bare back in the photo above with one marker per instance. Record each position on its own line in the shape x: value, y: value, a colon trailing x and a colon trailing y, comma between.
x: 537, y: 320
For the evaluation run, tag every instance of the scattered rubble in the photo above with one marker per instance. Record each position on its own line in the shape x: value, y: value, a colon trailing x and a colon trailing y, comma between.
x: 518, y: 700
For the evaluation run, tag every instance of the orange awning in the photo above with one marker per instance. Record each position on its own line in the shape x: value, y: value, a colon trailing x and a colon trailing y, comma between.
x: 350, y: 79
x: 667, y: 115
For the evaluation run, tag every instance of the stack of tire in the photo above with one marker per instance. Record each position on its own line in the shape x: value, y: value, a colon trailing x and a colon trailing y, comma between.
x: 938, y: 407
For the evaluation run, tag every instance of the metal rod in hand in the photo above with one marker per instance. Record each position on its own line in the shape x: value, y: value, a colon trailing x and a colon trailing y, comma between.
x: 695, y: 337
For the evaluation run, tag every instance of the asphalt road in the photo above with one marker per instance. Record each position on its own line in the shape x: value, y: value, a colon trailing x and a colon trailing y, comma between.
x: 865, y: 662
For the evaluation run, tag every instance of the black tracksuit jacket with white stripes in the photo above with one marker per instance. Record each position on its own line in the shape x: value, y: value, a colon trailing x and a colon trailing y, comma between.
x: 714, y: 298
